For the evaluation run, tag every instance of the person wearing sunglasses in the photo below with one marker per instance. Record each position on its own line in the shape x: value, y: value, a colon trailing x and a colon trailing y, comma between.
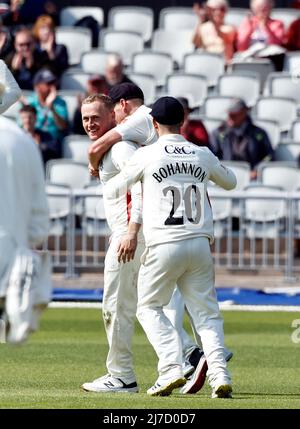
x: 214, y: 35
x: 25, y: 60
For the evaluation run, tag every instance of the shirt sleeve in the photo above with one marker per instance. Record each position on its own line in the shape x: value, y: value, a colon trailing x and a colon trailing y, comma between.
x: 136, y: 128
x: 130, y: 174
x: 121, y: 153
x: 222, y: 175
x: 10, y: 91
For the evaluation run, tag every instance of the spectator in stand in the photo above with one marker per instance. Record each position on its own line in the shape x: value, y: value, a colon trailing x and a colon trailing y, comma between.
x: 52, y: 112
x: 5, y: 42
x: 57, y: 54
x: 25, y: 60
x: 293, y: 36
x: 238, y: 139
x: 95, y: 85
x: 47, y: 144
x: 192, y: 130
x: 23, y: 12
x: 213, y: 35
x: 259, y: 27
x: 114, y: 71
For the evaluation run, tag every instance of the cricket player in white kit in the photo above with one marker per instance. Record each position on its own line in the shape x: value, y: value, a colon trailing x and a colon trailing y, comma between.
x: 178, y: 230
x: 136, y: 124
x: 120, y: 280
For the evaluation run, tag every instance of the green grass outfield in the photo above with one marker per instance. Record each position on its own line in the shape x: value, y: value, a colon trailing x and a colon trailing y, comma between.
x: 70, y: 348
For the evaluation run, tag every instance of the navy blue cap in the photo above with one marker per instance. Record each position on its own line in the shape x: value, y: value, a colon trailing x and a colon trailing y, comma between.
x: 44, y: 76
x: 167, y: 111
x: 126, y: 90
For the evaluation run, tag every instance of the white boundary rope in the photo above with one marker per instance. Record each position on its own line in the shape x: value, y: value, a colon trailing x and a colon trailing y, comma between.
x: 223, y: 306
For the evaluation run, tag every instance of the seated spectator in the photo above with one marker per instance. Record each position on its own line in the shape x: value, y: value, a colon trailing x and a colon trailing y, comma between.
x: 258, y: 31
x: 193, y: 130
x: 48, y: 146
x: 293, y: 36
x: 238, y: 139
x: 114, y: 71
x: 5, y: 42
x: 25, y: 60
x: 95, y: 85
x: 27, y: 11
x: 57, y: 54
x: 213, y: 35
x: 52, y: 112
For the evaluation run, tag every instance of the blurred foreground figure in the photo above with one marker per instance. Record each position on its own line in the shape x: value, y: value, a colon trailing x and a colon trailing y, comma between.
x: 25, y: 285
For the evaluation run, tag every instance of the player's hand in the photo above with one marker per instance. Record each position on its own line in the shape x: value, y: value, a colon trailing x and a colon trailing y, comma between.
x: 93, y: 171
x: 127, y: 248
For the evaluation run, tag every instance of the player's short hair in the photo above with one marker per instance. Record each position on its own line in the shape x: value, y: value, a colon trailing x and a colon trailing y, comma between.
x: 105, y: 100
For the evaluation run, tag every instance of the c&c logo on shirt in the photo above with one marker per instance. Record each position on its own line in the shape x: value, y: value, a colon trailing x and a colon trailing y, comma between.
x: 178, y: 150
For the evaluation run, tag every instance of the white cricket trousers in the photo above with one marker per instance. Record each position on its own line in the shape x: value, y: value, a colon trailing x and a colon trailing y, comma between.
x: 189, y: 264
x: 175, y: 313
x: 119, y: 310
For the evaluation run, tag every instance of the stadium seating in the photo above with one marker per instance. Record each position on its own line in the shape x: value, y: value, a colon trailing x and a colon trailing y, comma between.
x: 77, y: 40
x: 95, y: 61
x: 147, y: 83
x: 246, y: 86
x: 272, y: 129
x: 193, y: 87
x: 132, y: 18
x: 285, y: 175
x: 177, y: 18
x: 295, y: 130
x: 292, y: 63
x: 288, y: 151
x: 263, y: 216
x: 125, y: 43
x: 75, y: 80
x: 59, y: 208
x: 75, y: 147
x: 177, y: 43
x: 281, y: 109
x: 94, y: 222
x: 69, y: 15
x: 205, y: 64
x: 158, y: 64
x: 67, y: 172
x: 71, y: 98
x: 215, y: 106
x: 261, y: 66
x: 282, y: 85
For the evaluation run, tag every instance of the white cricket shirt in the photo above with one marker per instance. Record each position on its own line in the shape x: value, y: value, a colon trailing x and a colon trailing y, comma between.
x: 138, y: 127
x: 175, y: 174
x: 128, y: 205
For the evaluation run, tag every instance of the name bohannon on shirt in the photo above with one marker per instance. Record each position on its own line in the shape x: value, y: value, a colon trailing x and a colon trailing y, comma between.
x: 179, y: 168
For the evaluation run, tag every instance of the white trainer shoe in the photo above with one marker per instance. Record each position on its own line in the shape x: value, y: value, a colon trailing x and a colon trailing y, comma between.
x: 110, y: 384
x: 165, y: 385
x: 222, y: 391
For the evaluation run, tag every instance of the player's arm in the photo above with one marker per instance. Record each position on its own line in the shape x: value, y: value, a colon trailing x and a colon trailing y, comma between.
x: 10, y: 91
x: 99, y: 147
x: 130, y: 174
x: 222, y: 175
x: 128, y: 244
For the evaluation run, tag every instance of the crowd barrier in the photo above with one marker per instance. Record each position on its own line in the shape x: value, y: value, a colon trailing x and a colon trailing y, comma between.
x: 256, y: 232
